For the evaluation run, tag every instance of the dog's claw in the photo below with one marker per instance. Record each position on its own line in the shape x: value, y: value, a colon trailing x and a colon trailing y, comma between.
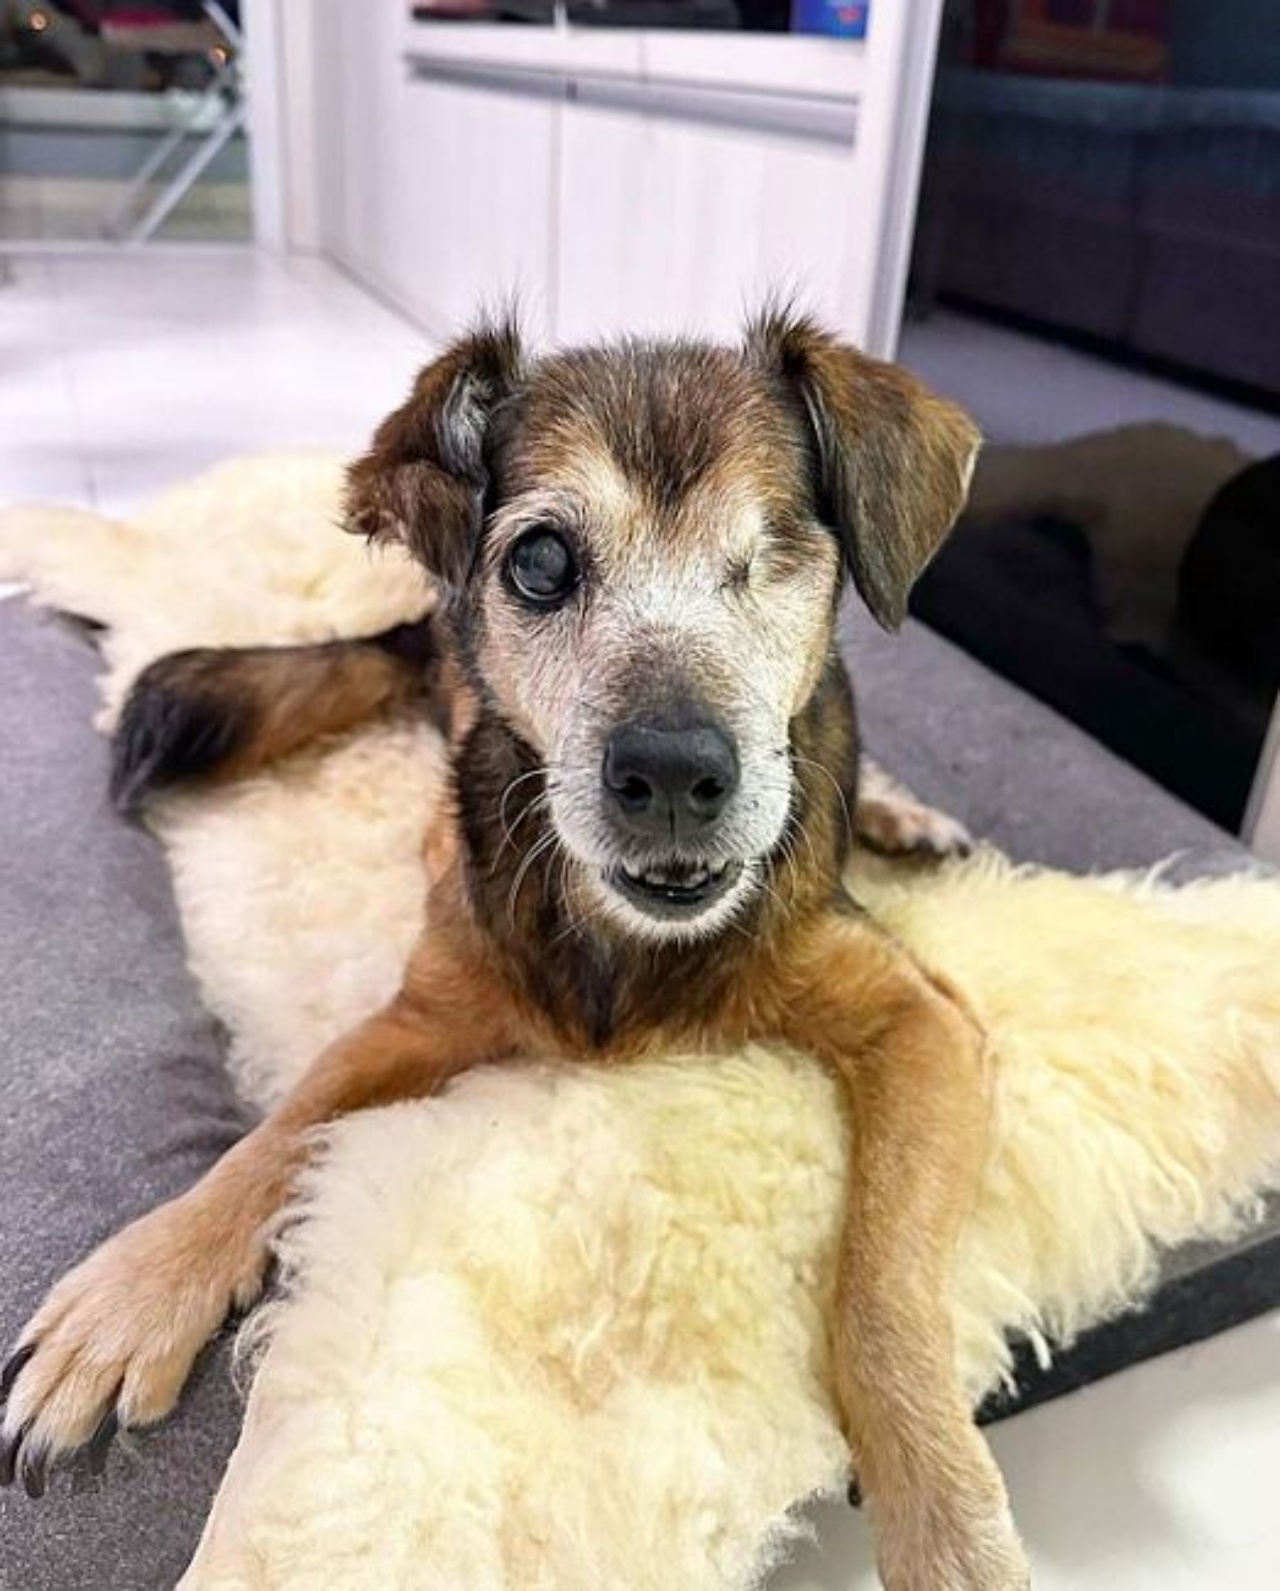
x: 28, y: 1461
x: 101, y: 1440
x: 10, y: 1451
x: 33, y: 1469
x: 14, y: 1365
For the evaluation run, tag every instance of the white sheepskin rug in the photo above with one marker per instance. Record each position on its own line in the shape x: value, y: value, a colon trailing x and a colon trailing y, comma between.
x: 563, y: 1327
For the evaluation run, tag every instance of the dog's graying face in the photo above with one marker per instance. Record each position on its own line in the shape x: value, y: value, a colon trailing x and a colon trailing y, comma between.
x: 642, y: 547
x: 652, y: 606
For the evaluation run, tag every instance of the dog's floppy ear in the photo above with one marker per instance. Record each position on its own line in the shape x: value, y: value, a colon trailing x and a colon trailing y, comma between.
x: 893, y: 459
x: 423, y: 479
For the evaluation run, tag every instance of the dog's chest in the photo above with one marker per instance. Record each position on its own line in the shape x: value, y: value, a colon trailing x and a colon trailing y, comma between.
x: 601, y: 998
x: 589, y: 989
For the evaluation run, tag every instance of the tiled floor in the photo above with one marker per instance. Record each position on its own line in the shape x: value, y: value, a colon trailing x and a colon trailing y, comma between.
x: 121, y: 375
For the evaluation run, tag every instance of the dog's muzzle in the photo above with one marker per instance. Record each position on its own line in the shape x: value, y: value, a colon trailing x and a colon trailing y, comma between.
x: 666, y: 785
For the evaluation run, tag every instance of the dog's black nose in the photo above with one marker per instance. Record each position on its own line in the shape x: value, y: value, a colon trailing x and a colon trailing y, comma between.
x: 670, y: 782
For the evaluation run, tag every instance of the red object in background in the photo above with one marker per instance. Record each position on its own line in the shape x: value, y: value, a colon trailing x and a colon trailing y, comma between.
x: 1125, y: 40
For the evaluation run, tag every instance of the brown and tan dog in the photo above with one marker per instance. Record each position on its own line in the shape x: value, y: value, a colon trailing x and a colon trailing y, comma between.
x: 639, y: 551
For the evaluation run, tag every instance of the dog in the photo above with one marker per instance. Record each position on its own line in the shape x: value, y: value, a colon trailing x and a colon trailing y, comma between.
x: 639, y: 551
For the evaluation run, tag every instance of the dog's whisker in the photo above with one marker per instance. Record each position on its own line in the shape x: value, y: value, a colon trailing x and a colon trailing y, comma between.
x: 539, y: 848
x: 812, y: 762
x: 798, y: 830
x: 540, y: 803
x: 573, y: 923
x: 511, y: 788
x: 777, y: 899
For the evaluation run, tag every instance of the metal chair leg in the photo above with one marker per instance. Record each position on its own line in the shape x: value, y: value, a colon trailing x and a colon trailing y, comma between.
x: 225, y: 86
x: 187, y: 175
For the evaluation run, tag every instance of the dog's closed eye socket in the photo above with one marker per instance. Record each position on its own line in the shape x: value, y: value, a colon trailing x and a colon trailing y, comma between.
x: 541, y: 568
x: 738, y: 574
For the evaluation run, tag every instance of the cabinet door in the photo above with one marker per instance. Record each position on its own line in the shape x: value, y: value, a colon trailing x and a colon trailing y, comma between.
x: 436, y: 193
x: 669, y: 224
x: 468, y: 219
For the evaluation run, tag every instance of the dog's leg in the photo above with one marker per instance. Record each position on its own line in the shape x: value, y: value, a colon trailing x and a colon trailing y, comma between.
x: 913, y: 1062
x: 890, y: 819
x: 114, y: 1340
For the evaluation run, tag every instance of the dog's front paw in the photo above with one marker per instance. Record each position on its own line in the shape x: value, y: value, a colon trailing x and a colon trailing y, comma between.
x: 890, y: 819
x: 909, y: 828
x: 114, y: 1341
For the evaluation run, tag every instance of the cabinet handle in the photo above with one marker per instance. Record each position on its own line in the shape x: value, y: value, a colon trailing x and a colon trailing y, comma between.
x: 817, y: 118
x: 531, y: 82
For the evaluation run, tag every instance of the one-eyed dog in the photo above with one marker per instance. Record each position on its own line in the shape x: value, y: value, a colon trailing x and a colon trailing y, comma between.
x: 639, y: 552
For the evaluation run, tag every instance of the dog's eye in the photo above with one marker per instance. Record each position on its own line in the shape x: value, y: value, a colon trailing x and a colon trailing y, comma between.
x: 541, y: 568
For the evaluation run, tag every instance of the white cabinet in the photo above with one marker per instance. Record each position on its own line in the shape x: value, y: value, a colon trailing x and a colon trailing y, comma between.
x: 669, y: 223
x: 626, y: 180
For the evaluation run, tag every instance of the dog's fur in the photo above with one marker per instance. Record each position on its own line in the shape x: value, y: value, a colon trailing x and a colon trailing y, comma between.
x: 710, y: 498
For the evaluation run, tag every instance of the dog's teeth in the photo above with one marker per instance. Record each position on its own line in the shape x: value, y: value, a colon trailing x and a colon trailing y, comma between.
x: 677, y: 875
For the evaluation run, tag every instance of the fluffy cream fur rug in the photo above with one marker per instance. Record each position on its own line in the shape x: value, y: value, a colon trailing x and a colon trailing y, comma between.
x: 563, y: 1328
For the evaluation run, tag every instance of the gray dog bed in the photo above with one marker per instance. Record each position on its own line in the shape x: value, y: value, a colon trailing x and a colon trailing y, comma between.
x: 114, y: 1094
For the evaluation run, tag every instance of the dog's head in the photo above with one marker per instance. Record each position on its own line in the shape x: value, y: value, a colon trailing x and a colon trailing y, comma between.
x: 640, y: 549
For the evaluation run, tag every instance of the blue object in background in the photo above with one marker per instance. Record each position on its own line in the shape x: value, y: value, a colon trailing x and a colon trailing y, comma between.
x: 841, y: 19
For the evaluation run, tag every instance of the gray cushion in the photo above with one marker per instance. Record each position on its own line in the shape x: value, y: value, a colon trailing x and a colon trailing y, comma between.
x: 1015, y: 772
x: 112, y: 1094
